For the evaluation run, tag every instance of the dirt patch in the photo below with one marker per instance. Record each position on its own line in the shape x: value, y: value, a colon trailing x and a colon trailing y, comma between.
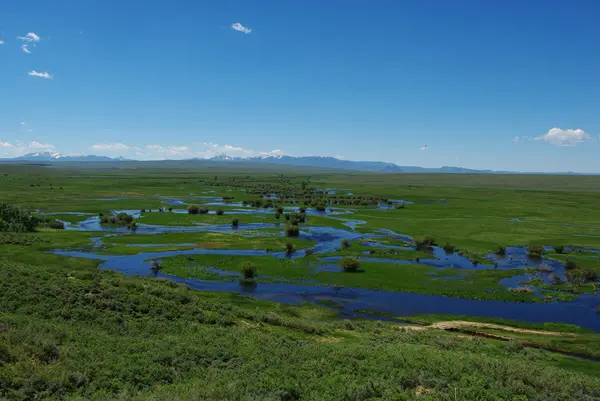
x: 457, y: 324
x: 411, y: 328
x: 329, y: 339
x: 421, y: 390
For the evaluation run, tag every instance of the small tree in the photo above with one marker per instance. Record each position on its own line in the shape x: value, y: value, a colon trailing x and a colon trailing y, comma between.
x: 448, y: 247
x: 500, y: 250
x: 277, y: 215
x: 58, y: 225
x: 235, y: 222
x: 570, y: 264
x: 350, y: 265
x: 292, y: 231
x: 248, y: 270
x: 535, y: 251
x: 203, y: 211
x: 220, y: 212
x: 155, y: 266
x: 289, y: 248
x: 193, y: 209
x: 425, y: 242
x: 559, y: 249
x: 345, y: 244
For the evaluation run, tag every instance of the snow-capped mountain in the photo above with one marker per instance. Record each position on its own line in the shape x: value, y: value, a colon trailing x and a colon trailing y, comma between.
x: 299, y: 161
x: 55, y: 156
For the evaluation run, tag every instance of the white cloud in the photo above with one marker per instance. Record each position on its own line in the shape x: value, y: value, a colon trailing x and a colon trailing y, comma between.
x: 19, y: 148
x: 25, y: 48
x: 38, y: 145
x: 110, y: 147
x: 240, y: 28
x: 424, y: 147
x: 22, y: 122
x: 1, y: 42
x: 168, y: 151
x: 44, y: 75
x: 30, y: 37
x: 516, y: 139
x: 564, y: 137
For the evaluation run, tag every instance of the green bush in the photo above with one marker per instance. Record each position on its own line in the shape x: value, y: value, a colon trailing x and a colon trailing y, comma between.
x: 292, y: 231
x: 220, y: 212
x: 248, y: 270
x: 345, y: 244
x: 500, y: 250
x: 570, y: 264
x: 193, y: 209
x: 559, y: 249
x: 58, y: 225
x: 425, y: 242
x: 349, y: 264
x: 535, y: 251
x: 235, y: 222
x: 449, y: 247
x: 14, y: 219
x: 289, y: 247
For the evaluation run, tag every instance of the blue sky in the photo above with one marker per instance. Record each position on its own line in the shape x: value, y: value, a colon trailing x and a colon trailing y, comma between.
x: 420, y: 82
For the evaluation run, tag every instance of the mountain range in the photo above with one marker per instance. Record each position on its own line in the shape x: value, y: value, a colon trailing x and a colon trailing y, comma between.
x: 50, y: 156
x: 290, y: 161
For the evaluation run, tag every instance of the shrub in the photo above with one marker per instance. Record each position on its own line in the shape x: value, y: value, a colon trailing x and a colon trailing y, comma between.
x: 570, y: 264
x: 287, y: 217
x: 400, y: 206
x: 141, y: 211
x: 193, y: 209
x: 449, y: 247
x: 235, y: 222
x: 58, y: 225
x: 14, y: 219
x: 302, y: 210
x: 320, y: 207
x: 500, y: 250
x: 292, y: 231
x: 279, y: 210
x: 248, y: 270
x: 350, y: 265
x: 289, y: 248
x: 170, y: 209
x: 277, y: 215
x: 203, y: 211
x: 220, y: 212
x: 155, y: 266
x: 345, y: 244
x: 559, y: 249
x: 582, y: 274
x: 425, y: 242
x: 535, y: 251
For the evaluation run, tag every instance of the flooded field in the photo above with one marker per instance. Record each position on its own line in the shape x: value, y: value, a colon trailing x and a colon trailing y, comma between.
x: 325, y: 254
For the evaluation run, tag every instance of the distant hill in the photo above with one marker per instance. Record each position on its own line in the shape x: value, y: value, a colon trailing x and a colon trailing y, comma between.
x: 267, y: 162
x: 335, y: 163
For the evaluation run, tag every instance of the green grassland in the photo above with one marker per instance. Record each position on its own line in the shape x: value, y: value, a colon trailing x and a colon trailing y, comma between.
x: 71, y: 331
